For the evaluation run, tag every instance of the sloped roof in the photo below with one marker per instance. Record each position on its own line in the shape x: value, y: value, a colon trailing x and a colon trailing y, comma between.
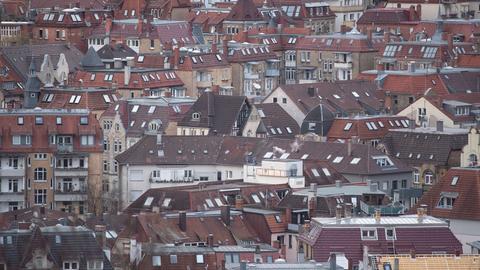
x: 91, y: 59
x: 244, y: 10
x: 275, y: 118
x: 467, y: 192
x: 386, y: 16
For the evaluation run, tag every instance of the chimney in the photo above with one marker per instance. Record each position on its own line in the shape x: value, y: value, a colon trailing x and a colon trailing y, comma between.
x: 399, y: 5
x: 380, y: 66
x: 214, y: 47
x: 420, y: 214
x: 369, y: 34
x: 42, y: 210
x: 182, y: 221
x: 411, y: 13
x: 140, y: 25
x: 349, y: 147
x: 100, y: 235
x: 225, y: 213
x: 108, y: 25
x: 440, y: 126
x: 411, y: 66
x: 374, y: 187
x: 413, y: 254
x: 176, y: 57
x: 210, y: 240
x: 313, y: 188
x: 396, y: 264
x: 210, y: 107
x: 386, y: 35
x: 378, y: 215
x: 450, y: 41
x: 411, y: 124
x: 243, y: 265
x: 117, y: 63
x: 239, y: 202
x: 419, y: 12
x: 333, y: 261
x: 338, y: 183
x: 338, y: 212
x: 225, y: 48
x: 312, y: 207
x: 159, y: 139
x: 311, y: 91
x: 126, y: 74
x: 348, y: 210
x: 343, y: 29
x: 288, y: 215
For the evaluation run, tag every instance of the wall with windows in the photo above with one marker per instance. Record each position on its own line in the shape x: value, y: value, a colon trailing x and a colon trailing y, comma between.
x: 471, y: 151
x: 431, y: 112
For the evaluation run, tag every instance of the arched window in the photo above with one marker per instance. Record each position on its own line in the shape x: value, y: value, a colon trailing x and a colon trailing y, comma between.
x: 472, y: 160
x: 416, y: 176
x: 154, y: 126
x: 195, y: 116
x: 40, y: 174
x: 428, y: 177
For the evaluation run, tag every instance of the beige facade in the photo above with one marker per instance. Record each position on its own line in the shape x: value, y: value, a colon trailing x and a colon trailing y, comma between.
x: 471, y: 151
x: 424, y: 113
x: 196, y: 81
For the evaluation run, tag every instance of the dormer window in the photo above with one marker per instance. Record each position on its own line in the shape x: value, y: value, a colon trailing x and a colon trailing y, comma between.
x: 383, y: 161
x: 195, y: 116
x: 369, y: 234
x: 462, y: 110
x: 390, y: 234
x: 447, y: 200
x: 70, y: 265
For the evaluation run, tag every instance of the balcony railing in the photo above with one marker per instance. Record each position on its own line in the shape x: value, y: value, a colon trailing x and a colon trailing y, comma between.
x: 384, y: 209
x: 12, y: 196
x: 12, y: 171
x: 251, y: 76
x: 272, y: 73
x: 342, y: 65
x: 65, y: 148
x: 81, y: 190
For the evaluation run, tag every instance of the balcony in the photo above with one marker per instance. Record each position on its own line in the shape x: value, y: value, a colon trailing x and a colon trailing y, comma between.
x: 307, y: 81
x: 65, y: 148
x: 71, y: 171
x: 271, y: 72
x: 342, y: 65
x: 12, y: 171
x: 290, y: 63
x: 204, y: 84
x: 71, y: 194
x: 251, y: 76
x: 386, y: 210
x: 12, y: 197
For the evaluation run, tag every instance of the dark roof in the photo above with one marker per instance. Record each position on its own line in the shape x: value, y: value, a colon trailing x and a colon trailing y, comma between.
x: 22, y: 218
x: 386, y: 16
x: 76, y: 243
x: 224, y: 111
x: 91, y: 59
x: 244, y: 10
x: 466, y: 192
x: 275, y: 118
x: 117, y: 50
x: 19, y: 57
x: 415, y: 147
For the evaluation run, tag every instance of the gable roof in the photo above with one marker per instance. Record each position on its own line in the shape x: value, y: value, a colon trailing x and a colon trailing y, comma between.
x: 277, y: 122
x: 387, y: 16
x: 223, y: 110
x: 244, y: 10
x: 466, y: 192
x: 91, y: 59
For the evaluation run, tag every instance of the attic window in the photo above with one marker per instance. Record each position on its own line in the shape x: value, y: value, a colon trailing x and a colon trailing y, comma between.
x: 289, y: 130
x: 218, y: 202
x: 116, y: 107
x: 92, y: 77
x: 329, y: 156
x: 273, y: 131
x: 454, y: 181
x: 261, y: 113
x: 315, y: 172
x: 58, y: 239
x: 132, y: 123
x: 255, y: 198
x: 106, y: 98
x: 284, y: 156
x: 268, y: 155
x: 431, y: 156
x: 195, y: 116
x: 194, y: 59
x: 355, y: 94
x: 305, y: 156
x: 166, y: 202
x: 355, y: 161
x: 148, y: 201
x: 209, y: 203
x: 419, y: 156
x: 326, y: 171
x: 336, y: 96
x: 151, y: 109
x: 278, y: 219
x: 141, y: 58
x: 381, y: 124
x: 338, y: 160
x: 219, y: 57
x: 135, y: 108
x: 347, y: 126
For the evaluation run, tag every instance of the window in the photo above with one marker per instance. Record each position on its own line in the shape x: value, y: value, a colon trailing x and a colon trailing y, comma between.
x: 107, y: 124
x: 383, y: 161
x: 232, y: 258
x: 20, y: 120
x: 347, y: 126
x: 196, y: 116
x: 390, y: 234
x: 38, y: 120
x: 40, y: 174
x: 472, y: 160
x: 428, y: 178
x: 58, y: 120
x: 95, y: 265
x: 369, y: 234
x: 40, y: 197
x: 446, y: 201
x: 454, y: 181
x: 416, y: 177
x: 86, y: 140
x: 173, y: 259
x: 200, y: 259
x: 84, y: 120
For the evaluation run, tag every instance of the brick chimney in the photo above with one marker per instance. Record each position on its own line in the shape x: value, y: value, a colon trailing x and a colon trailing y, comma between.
x: 450, y: 41
x: 343, y: 29
x: 176, y: 57
x: 378, y: 215
x: 288, y: 215
x: 239, y: 202
x: 108, y: 25
x: 210, y: 240
x: 369, y: 34
x: 140, y: 26
x: 348, y: 210
x: 100, y: 235
x: 214, y: 47
x: 411, y: 13
x: 338, y: 212
x: 225, y: 48
x: 386, y: 35
x: 419, y: 11
x: 182, y: 221
x: 225, y: 214
x: 312, y: 206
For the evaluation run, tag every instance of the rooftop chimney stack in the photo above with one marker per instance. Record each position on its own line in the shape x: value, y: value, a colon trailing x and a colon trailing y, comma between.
x: 349, y: 147
x: 338, y: 183
x: 396, y: 264
x: 210, y: 240
x: 440, y: 126
x: 239, y: 202
x: 182, y: 220
x: 411, y: 66
x: 348, y: 210
x: 159, y: 139
x: 225, y: 213
x: 338, y: 212
x: 411, y: 124
x: 333, y: 261
x: 100, y: 235
x: 378, y: 215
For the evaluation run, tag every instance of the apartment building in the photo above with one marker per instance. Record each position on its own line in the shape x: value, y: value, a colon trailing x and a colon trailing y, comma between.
x: 50, y: 158
x: 15, y: 32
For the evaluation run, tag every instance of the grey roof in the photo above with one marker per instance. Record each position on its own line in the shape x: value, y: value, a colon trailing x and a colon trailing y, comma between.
x: 475, y: 244
x: 91, y: 59
x: 19, y: 57
x: 118, y: 50
x: 405, y: 220
x: 347, y: 190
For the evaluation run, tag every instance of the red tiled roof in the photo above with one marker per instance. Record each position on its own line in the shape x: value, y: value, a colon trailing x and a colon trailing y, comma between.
x: 468, y: 60
x: 244, y: 10
x: 392, y: 16
x: 89, y: 99
x: 466, y: 190
x: 340, y: 42
x: 414, y: 84
x: 357, y: 127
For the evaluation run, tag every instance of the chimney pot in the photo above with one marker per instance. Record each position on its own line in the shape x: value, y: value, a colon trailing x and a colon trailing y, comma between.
x: 225, y: 213
x: 338, y: 212
x: 182, y: 220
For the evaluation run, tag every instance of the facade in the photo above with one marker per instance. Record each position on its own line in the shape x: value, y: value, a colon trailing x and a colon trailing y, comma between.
x: 51, y: 158
x: 14, y: 33
x: 277, y: 172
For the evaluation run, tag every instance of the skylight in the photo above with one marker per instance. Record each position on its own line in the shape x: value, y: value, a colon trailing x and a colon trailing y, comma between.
x: 355, y: 94
x: 284, y: 156
x: 209, y: 203
x: 315, y: 172
x: 338, y: 160
x: 151, y: 109
x: 347, y: 126
x: 261, y: 113
x: 326, y: 171
x: 268, y: 155
x: 218, y: 202
x: 106, y: 98
x: 305, y: 156
x: 135, y: 108
x: 166, y: 202
x: 148, y: 201
x: 355, y: 161
x: 255, y: 198
x: 454, y: 181
x: 289, y: 130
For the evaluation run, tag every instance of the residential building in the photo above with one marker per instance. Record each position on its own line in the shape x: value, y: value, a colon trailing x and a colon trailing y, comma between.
x: 243, y: 15
x: 214, y: 114
x: 362, y: 236
x: 432, y: 10
x: 276, y: 171
x: 347, y: 13
x: 270, y: 120
x: 51, y: 158
x: 316, y: 15
x: 396, y: 21
x: 454, y: 198
x: 364, y: 129
x: 431, y: 151
x: 124, y: 123
x: 335, y: 57
x: 14, y: 33
x: 471, y: 150
x: 256, y: 66
x: 52, y: 247
x: 36, y: 216
x: 314, y: 106
x: 419, y: 262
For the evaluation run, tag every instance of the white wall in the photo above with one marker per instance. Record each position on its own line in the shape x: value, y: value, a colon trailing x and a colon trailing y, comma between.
x: 466, y: 231
x: 289, y: 107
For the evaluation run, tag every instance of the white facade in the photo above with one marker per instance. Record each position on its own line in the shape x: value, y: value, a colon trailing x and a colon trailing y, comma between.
x: 137, y: 179
x: 466, y: 231
x: 12, y: 183
x: 279, y: 96
x: 426, y: 114
x: 276, y: 172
